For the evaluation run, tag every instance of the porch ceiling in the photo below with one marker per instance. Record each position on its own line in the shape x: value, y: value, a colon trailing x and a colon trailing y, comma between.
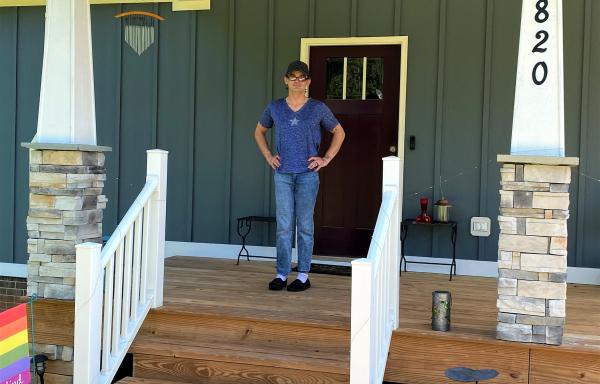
x: 178, y: 5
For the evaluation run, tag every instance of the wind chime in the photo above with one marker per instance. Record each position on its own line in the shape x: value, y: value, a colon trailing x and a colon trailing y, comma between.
x: 139, y: 29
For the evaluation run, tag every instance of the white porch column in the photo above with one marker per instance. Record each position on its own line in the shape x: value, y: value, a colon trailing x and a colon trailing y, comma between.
x: 538, y: 120
x: 67, y: 110
x: 534, y: 194
x: 67, y: 171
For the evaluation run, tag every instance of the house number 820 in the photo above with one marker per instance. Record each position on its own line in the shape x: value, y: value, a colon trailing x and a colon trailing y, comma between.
x: 539, y: 73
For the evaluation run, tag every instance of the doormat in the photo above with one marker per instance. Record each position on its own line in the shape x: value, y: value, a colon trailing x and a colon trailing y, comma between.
x: 326, y: 269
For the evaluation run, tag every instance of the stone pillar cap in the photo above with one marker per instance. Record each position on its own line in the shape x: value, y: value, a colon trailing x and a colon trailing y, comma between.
x: 67, y: 147
x: 541, y: 160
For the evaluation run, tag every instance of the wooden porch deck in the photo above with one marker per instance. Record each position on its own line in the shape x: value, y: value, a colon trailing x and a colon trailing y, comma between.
x: 419, y: 355
x: 219, y: 287
x: 220, y: 324
x: 304, y: 337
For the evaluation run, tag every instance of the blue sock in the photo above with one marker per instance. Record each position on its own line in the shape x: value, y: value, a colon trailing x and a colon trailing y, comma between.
x: 284, y: 278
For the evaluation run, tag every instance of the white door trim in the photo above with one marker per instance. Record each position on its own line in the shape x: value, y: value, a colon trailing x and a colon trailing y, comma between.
x: 401, y: 41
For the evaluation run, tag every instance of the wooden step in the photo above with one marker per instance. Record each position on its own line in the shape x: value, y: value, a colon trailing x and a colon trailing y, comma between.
x: 211, y: 372
x: 281, y: 357
x: 218, y: 365
x: 140, y: 380
x: 240, y: 333
x: 220, y: 324
x: 209, y: 349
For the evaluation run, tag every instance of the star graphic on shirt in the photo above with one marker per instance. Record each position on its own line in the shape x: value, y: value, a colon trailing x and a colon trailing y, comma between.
x: 294, y: 121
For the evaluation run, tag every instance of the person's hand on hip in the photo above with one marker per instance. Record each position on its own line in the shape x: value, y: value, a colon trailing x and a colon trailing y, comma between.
x: 316, y: 163
x: 274, y: 161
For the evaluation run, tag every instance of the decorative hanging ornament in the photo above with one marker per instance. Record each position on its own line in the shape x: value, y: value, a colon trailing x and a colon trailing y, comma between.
x: 139, y: 29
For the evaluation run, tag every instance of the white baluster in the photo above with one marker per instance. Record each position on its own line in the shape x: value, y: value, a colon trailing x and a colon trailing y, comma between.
x: 137, y: 255
x: 147, y: 232
x: 117, y: 300
x: 107, y: 320
x: 127, y: 278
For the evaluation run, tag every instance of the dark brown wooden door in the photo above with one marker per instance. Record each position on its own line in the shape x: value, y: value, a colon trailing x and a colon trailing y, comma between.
x: 350, y: 191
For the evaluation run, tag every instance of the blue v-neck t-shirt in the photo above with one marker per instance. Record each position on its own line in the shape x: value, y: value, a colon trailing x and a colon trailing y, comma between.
x: 297, y: 134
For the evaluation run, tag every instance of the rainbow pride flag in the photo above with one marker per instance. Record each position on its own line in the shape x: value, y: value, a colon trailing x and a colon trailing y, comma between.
x: 14, y: 349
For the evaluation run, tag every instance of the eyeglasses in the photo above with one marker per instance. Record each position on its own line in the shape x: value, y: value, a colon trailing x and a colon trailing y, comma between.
x: 301, y: 78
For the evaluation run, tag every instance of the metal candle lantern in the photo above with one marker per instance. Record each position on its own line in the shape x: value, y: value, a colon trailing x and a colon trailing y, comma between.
x: 441, y: 211
x: 441, y: 307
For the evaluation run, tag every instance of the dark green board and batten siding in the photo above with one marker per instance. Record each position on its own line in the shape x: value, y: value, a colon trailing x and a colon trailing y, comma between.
x: 198, y: 92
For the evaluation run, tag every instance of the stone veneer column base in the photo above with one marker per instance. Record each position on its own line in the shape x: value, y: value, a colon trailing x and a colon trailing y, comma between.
x: 65, y: 209
x: 532, y: 248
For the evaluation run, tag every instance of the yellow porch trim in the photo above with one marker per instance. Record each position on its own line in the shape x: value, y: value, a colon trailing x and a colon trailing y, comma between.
x: 178, y: 5
x: 402, y: 41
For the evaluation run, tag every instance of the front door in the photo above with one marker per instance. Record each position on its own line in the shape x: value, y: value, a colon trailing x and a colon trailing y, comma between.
x: 361, y: 86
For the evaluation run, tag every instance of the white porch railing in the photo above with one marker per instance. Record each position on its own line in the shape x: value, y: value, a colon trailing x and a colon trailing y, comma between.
x: 116, y: 286
x: 375, y: 304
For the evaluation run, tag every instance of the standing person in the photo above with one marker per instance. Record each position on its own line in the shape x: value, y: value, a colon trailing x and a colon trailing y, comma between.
x: 298, y: 120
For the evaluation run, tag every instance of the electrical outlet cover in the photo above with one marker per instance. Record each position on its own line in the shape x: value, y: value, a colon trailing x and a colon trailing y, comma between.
x: 481, y: 226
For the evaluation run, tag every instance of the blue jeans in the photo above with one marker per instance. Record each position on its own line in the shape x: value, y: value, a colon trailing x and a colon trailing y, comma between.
x: 295, y: 197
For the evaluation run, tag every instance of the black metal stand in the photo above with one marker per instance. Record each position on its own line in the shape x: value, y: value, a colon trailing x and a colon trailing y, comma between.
x: 244, y: 225
x: 404, y: 231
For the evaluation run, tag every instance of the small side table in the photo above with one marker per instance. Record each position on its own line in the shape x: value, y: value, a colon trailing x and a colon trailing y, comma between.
x: 244, y: 225
x: 404, y: 232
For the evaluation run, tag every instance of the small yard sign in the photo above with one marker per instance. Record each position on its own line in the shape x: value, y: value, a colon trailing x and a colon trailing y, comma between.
x: 14, y: 347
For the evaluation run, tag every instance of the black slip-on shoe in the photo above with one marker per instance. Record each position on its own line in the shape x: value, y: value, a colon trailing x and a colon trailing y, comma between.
x: 277, y: 284
x: 298, y: 286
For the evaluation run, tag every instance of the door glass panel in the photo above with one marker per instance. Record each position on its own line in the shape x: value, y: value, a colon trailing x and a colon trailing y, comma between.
x: 374, y: 78
x: 354, y: 78
x: 335, y: 77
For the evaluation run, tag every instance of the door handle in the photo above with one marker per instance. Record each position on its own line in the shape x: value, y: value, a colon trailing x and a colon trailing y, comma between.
x: 393, y: 149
